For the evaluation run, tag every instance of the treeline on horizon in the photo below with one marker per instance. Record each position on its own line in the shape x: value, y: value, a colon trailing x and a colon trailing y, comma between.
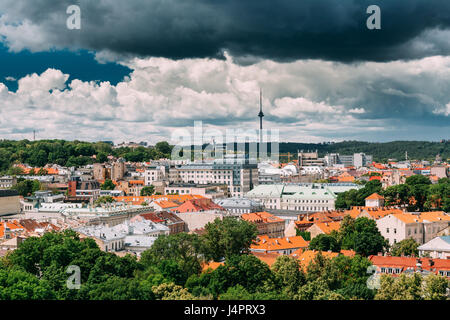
x: 381, y: 151
x: 79, y: 153
x: 72, y: 153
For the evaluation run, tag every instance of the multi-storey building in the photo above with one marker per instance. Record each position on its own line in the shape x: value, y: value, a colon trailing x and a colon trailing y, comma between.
x: 420, y: 227
x: 309, y: 158
x: 240, y: 177
x: 83, y: 191
x: 6, y: 182
x: 238, y: 206
x: 307, y: 197
x: 395, y: 266
x: 114, y: 171
x: 134, y: 237
x: 357, y: 159
x: 211, y: 191
x: 153, y: 174
x: 267, y: 224
x: 117, y: 170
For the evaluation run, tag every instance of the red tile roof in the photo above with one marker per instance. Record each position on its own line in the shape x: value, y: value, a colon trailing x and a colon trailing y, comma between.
x: 375, y: 196
x: 261, y: 217
x: 198, y: 205
x: 13, y: 226
x: 264, y: 243
x: 432, y: 265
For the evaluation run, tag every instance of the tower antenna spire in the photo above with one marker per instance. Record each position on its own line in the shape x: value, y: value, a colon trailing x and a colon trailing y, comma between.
x: 260, y: 115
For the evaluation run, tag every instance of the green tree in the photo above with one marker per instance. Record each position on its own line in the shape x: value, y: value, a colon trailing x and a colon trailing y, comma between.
x: 116, y: 288
x: 314, y: 290
x: 324, y: 242
x: 182, y: 248
x: 163, y: 147
x: 17, y: 284
x: 237, y: 292
x: 108, y: 185
x: 147, y: 190
x: 171, y: 291
x: 42, y: 172
x: 435, y: 287
x: 417, y: 180
x: 15, y: 171
x: 354, y: 197
x: 407, y: 247
x: 361, y: 235
x: 419, y: 190
x: 288, y: 275
x: 227, y: 237
x: 304, y: 234
x: 101, y: 157
x: 404, y: 287
x: 439, y: 196
x: 248, y: 271
x: 26, y: 187
x: 103, y: 199
x: 397, y: 195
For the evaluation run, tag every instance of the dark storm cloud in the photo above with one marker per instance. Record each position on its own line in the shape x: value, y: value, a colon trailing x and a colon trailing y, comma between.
x: 282, y: 30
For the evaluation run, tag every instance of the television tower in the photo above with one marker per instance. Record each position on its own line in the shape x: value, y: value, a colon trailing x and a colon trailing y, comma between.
x: 260, y: 115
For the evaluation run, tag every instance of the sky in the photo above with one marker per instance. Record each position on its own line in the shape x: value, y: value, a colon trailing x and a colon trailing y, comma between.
x: 140, y: 70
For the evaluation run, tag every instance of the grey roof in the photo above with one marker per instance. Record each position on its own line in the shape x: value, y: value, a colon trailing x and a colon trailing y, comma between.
x: 299, y: 191
x: 237, y: 203
x: 144, y: 227
x: 139, y: 241
x: 437, y: 244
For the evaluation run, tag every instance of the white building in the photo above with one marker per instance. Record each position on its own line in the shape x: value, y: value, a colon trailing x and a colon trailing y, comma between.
x: 295, y: 197
x: 129, y: 236
x: 420, y: 227
x: 239, y: 177
x: 238, y: 206
x: 437, y: 248
x: 154, y: 173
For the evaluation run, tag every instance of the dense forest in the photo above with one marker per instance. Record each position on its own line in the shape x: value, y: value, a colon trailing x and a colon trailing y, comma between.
x: 72, y: 153
x: 381, y: 151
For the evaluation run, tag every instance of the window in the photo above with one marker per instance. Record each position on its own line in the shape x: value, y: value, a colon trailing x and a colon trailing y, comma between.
x: 395, y: 230
x: 387, y: 230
